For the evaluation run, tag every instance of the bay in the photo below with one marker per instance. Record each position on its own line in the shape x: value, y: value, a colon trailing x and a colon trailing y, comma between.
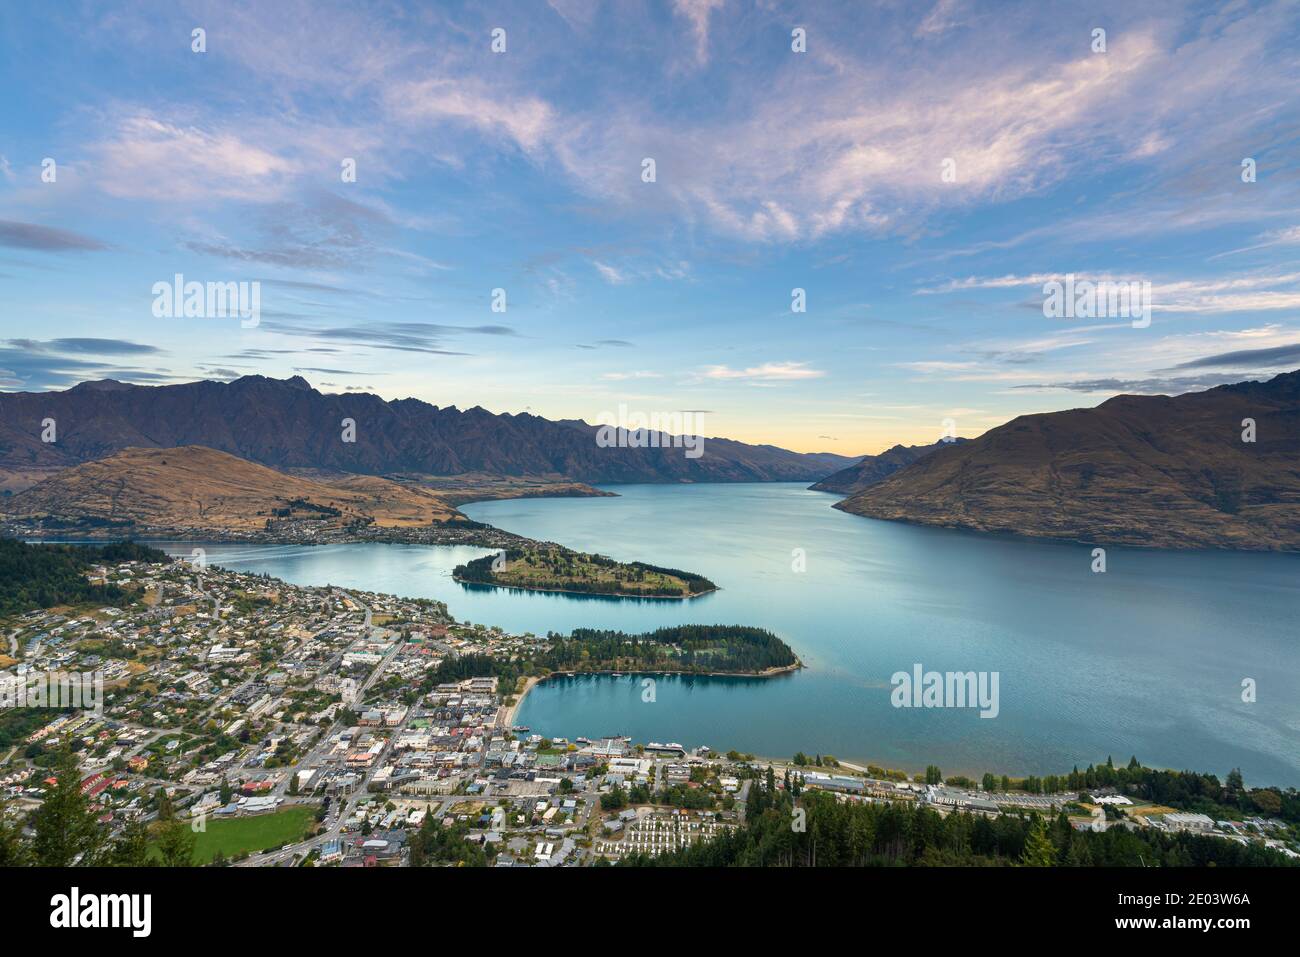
x: 1147, y: 659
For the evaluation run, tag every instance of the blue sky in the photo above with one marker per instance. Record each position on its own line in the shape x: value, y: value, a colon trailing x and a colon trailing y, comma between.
x: 522, y: 170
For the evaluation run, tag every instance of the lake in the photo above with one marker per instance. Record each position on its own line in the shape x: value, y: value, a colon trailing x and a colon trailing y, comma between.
x: 1147, y: 658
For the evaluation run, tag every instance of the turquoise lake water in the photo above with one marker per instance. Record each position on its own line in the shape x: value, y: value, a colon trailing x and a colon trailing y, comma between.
x: 1146, y: 659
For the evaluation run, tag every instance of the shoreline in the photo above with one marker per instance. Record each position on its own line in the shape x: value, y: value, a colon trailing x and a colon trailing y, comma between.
x: 513, y: 710
x: 534, y: 680
x: 765, y: 673
x: 452, y: 534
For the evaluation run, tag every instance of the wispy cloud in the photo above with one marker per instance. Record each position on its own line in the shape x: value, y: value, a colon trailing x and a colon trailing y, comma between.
x: 609, y: 273
x: 942, y: 17
x: 1151, y: 386
x: 767, y: 372
x: 1242, y: 293
x: 45, y: 238
x: 1288, y: 355
x: 623, y: 376
x: 697, y: 14
x: 88, y: 346
x: 426, y: 337
x: 148, y: 158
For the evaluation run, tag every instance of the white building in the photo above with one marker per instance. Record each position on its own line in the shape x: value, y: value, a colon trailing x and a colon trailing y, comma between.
x: 1189, y: 822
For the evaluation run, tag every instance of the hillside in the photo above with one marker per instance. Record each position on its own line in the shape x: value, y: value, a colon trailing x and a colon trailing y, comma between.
x: 876, y: 468
x: 1139, y: 470
x: 42, y: 576
x: 287, y: 424
x: 199, y: 488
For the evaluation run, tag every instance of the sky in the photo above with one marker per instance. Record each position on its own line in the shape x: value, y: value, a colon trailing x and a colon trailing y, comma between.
x: 918, y: 169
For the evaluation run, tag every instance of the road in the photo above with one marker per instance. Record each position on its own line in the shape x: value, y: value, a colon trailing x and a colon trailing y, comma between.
x: 315, y: 757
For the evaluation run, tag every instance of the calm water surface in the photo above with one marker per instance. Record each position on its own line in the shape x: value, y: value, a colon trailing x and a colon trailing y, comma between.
x: 1146, y: 659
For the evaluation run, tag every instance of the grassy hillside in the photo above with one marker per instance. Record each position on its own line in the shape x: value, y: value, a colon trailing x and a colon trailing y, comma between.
x: 193, y: 487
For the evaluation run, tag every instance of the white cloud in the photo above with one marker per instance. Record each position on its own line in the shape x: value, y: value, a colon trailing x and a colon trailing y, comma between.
x: 147, y: 158
x: 623, y: 376
x: 1244, y: 293
x: 941, y: 18
x: 609, y: 273
x: 697, y: 12
x: 1289, y: 236
x: 768, y: 371
x: 525, y: 120
x: 937, y: 366
x: 837, y: 140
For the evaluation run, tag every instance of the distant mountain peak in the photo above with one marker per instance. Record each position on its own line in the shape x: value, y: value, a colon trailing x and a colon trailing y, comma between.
x: 294, y: 382
x: 102, y: 385
x: 288, y: 424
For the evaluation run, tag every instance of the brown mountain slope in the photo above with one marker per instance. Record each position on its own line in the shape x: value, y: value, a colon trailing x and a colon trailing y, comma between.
x: 197, y: 487
x: 876, y: 468
x: 1142, y: 470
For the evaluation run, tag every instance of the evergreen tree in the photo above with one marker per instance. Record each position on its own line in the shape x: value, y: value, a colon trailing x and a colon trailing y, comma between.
x: 132, y: 848
x: 67, y: 831
x: 13, y: 851
x: 1079, y: 855
x: 176, y: 839
x: 1039, y: 851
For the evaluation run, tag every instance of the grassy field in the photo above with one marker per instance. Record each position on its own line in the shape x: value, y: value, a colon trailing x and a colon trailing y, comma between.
x: 254, y: 834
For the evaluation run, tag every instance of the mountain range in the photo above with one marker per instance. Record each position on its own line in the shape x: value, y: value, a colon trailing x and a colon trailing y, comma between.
x: 1212, y: 469
x: 287, y: 424
x: 1142, y: 470
x: 876, y: 468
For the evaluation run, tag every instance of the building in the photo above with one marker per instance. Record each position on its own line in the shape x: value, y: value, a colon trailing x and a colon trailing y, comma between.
x: 1189, y: 822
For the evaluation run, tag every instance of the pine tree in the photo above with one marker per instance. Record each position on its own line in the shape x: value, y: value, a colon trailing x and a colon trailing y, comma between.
x: 1079, y: 855
x: 1039, y: 851
x: 176, y: 839
x: 132, y: 848
x: 67, y: 831
x: 13, y: 852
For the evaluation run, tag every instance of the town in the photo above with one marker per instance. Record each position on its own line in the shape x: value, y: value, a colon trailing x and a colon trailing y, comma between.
x: 320, y: 726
